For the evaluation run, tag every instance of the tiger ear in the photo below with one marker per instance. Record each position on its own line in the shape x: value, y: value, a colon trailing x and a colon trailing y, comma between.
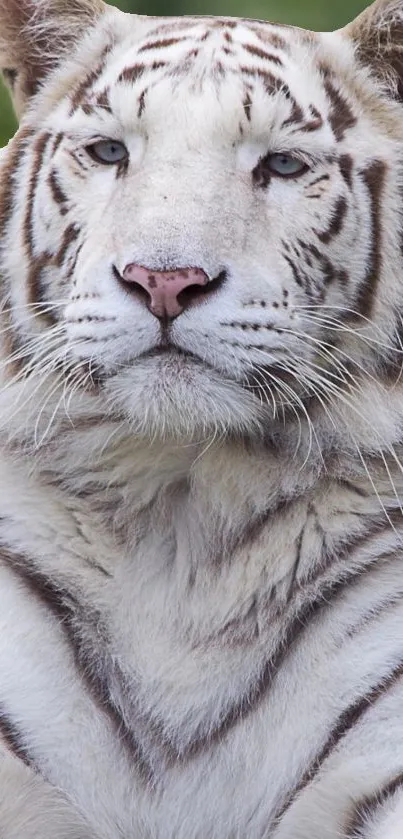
x: 35, y: 36
x: 378, y: 37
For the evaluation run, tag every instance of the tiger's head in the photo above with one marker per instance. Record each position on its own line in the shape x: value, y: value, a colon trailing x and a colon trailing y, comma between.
x: 201, y: 217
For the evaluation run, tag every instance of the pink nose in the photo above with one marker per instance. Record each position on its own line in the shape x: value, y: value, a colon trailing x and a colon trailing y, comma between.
x: 164, y: 288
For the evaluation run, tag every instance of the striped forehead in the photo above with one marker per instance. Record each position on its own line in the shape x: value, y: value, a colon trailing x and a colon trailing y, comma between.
x: 201, y: 50
x: 212, y: 47
x: 255, y: 62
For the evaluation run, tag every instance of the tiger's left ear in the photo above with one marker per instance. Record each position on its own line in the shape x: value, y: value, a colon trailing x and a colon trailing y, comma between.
x: 36, y: 35
x: 378, y: 37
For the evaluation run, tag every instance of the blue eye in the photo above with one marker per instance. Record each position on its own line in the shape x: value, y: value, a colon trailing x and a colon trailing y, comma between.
x: 285, y: 165
x: 108, y: 152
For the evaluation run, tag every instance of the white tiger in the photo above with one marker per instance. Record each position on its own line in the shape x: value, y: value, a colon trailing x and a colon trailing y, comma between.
x: 201, y: 425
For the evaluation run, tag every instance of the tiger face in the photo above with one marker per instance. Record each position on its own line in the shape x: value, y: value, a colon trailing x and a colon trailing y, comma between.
x: 210, y: 236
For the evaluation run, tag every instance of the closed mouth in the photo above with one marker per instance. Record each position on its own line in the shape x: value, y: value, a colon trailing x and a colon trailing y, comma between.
x: 169, y: 350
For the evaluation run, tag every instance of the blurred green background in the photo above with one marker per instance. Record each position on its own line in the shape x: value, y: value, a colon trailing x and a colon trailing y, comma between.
x: 312, y: 14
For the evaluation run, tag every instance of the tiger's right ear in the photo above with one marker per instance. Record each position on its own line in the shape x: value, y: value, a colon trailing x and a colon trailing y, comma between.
x: 36, y: 35
x: 377, y: 34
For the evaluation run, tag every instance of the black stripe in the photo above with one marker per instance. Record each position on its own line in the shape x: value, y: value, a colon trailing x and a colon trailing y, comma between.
x: 85, y: 630
x: 326, y: 266
x: 319, y: 180
x: 161, y: 43
x: 132, y: 74
x: 102, y: 101
x: 36, y: 281
x: 322, y: 597
x: 10, y: 341
x: 58, y: 193
x: 8, y: 190
x: 347, y: 720
x: 337, y: 216
x: 247, y: 104
x: 88, y: 83
x: 39, y: 152
x: 263, y: 54
x: 297, y: 114
x: 296, y: 564
x: 323, y: 600
x: 366, y: 808
x: 346, y: 169
x: 65, y: 607
x: 58, y: 140
x: 341, y: 116
x: 315, y: 123
x: 370, y: 531
x: 13, y: 739
x: 36, y: 263
x: 70, y: 235
x: 295, y: 272
x: 269, y: 37
x: 374, y: 179
x: 362, y: 493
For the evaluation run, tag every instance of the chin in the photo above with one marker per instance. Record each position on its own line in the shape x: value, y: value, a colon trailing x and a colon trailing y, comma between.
x: 181, y: 399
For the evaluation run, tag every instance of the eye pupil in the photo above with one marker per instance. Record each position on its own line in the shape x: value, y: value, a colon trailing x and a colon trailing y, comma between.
x: 108, y: 152
x: 285, y: 165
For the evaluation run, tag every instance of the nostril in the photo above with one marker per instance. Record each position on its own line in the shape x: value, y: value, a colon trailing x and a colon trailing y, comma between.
x: 190, y: 294
x: 194, y: 292
x: 132, y: 287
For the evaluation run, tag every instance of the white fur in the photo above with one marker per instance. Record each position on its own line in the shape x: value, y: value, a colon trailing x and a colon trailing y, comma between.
x: 169, y: 501
x: 31, y: 808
